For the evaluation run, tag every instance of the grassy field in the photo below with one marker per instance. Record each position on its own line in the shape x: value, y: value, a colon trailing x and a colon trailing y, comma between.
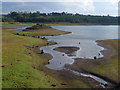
x: 17, y: 63
x: 23, y: 66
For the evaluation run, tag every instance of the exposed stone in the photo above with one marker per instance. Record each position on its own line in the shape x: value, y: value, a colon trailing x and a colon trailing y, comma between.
x: 37, y: 46
x: 48, y: 62
x: 41, y: 52
x: 63, y: 84
x: 3, y: 66
x: 29, y: 53
x: 95, y: 57
x: 53, y: 85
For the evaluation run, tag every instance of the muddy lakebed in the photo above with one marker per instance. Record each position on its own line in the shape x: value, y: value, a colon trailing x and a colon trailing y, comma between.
x: 80, y: 43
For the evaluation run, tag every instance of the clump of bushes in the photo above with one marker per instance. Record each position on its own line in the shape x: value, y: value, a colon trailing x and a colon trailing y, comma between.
x: 38, y: 26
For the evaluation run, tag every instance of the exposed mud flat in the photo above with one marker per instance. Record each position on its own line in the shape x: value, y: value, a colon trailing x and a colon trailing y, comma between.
x: 69, y: 50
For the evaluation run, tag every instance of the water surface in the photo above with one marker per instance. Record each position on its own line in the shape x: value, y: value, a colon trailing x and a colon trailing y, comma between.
x: 86, y: 35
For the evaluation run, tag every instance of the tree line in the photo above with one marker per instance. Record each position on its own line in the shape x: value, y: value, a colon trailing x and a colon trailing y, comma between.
x: 55, y: 17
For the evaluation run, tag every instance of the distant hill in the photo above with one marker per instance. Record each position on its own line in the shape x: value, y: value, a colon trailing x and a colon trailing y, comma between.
x: 55, y: 17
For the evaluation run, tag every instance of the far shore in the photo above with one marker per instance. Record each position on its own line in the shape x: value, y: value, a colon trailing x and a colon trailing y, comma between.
x: 66, y: 24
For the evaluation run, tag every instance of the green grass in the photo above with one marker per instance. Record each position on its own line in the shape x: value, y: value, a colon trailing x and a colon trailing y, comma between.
x: 18, y: 71
x: 109, y: 70
x: 21, y: 74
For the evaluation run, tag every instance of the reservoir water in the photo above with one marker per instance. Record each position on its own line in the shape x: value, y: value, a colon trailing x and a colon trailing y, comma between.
x: 86, y: 35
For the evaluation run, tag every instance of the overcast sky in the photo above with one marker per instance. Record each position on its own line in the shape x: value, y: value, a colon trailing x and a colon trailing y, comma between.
x: 94, y: 7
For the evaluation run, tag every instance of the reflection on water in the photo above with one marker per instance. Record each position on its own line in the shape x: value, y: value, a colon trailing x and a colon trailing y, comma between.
x: 83, y: 37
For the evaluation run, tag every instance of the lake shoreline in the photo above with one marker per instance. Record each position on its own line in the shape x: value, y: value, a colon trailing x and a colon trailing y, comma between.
x: 66, y: 78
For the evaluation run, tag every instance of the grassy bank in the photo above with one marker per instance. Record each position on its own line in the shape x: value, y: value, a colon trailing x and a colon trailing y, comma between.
x: 110, y: 66
x: 18, y: 71
x: 23, y: 66
x: 41, y: 30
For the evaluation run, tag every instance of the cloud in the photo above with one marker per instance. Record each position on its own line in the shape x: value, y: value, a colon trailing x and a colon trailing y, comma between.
x: 112, y: 1
x: 72, y: 6
x: 78, y: 6
x: 83, y: 5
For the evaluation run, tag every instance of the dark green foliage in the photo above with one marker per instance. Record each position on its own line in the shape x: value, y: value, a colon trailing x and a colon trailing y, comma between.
x: 6, y: 18
x: 38, y: 26
x: 55, y: 17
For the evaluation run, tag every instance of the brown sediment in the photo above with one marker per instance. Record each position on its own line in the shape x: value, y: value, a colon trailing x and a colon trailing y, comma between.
x: 67, y: 49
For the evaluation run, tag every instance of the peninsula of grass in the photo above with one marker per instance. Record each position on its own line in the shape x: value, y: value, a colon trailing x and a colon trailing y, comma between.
x: 23, y: 65
x: 40, y: 30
